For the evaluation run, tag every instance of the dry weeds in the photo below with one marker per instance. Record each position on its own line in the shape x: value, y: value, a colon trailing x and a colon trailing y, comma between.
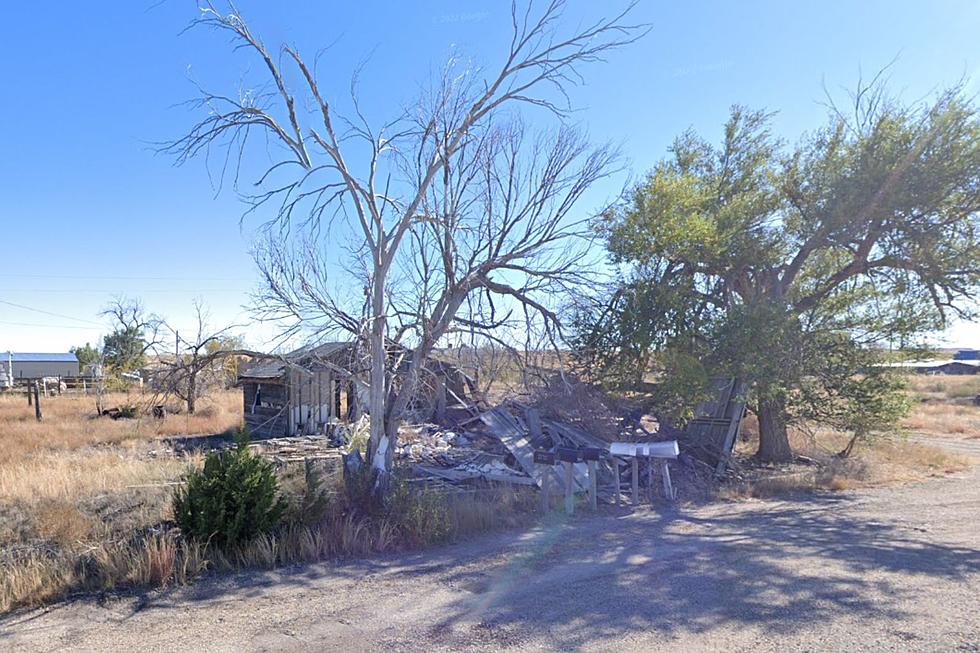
x: 944, y: 405
x: 879, y: 462
x: 82, y: 497
x: 70, y: 422
x: 85, y: 505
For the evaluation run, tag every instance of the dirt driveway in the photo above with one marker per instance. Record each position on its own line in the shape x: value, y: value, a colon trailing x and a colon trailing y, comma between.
x: 890, y: 569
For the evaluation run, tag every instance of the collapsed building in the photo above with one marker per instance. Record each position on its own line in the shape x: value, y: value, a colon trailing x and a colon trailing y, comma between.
x: 312, y: 389
x: 307, y: 404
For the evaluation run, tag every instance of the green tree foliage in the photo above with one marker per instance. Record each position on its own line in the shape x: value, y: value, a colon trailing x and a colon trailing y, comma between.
x: 86, y: 354
x: 125, y: 349
x: 772, y: 262
x: 234, y: 498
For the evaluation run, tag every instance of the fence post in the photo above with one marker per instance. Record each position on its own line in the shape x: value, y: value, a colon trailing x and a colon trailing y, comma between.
x: 546, y: 490
x: 37, y: 400
x: 636, y: 479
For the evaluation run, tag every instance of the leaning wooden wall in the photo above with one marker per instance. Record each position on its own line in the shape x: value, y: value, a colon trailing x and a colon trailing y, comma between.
x: 312, y: 400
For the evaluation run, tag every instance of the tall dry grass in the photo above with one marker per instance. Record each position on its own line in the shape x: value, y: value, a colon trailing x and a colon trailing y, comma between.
x: 85, y: 505
x: 82, y: 497
x: 36, y: 576
x: 944, y: 405
x: 70, y: 422
x: 941, y: 408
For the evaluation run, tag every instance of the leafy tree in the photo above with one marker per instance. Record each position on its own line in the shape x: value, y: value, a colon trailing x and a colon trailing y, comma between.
x: 768, y: 262
x: 86, y: 354
x: 125, y: 349
x: 135, y: 335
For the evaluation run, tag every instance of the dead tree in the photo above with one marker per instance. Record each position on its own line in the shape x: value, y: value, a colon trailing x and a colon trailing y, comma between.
x: 197, y: 358
x: 426, y: 186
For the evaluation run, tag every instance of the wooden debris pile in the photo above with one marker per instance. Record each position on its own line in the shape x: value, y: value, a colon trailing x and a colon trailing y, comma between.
x: 297, y: 449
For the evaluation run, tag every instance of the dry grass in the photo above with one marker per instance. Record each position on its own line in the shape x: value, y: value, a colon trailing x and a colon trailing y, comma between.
x: 34, y: 576
x: 82, y: 497
x: 879, y: 461
x: 943, y: 405
x: 85, y: 505
x: 70, y: 422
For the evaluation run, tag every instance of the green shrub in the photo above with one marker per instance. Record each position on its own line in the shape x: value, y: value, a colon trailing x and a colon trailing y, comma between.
x: 232, y: 500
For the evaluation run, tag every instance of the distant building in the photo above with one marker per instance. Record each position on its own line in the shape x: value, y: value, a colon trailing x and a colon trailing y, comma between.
x: 967, y: 355
x: 38, y: 365
x: 940, y: 366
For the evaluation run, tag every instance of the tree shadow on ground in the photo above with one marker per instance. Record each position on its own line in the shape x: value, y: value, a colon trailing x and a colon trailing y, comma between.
x: 775, y: 566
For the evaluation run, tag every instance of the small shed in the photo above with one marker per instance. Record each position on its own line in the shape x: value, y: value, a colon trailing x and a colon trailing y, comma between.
x: 307, y: 390
x: 301, y: 392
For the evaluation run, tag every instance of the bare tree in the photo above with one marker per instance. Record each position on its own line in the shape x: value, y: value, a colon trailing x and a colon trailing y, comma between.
x: 451, y: 204
x: 197, y: 360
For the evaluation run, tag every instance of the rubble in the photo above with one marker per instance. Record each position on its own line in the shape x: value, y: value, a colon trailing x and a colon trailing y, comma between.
x: 498, y: 444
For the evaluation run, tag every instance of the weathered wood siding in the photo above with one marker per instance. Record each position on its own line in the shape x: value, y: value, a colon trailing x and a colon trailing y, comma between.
x: 265, y: 408
x: 312, y: 401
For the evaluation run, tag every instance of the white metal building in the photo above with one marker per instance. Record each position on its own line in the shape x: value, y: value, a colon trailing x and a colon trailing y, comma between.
x: 37, y: 365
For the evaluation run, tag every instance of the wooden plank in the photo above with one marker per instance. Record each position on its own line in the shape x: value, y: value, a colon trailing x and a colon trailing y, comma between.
x: 533, y: 420
x: 569, y: 489
x: 736, y: 409
x: 593, y: 486
x: 513, y: 436
x: 452, y: 474
x: 635, y: 462
x: 506, y: 429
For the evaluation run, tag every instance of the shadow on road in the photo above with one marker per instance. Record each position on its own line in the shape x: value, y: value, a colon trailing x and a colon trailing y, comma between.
x: 777, y: 568
x: 774, y: 566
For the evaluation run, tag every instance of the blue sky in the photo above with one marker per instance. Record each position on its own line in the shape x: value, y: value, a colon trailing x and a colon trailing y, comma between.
x: 89, y: 211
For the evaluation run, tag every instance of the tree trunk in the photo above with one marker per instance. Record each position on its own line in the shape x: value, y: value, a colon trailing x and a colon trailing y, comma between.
x: 379, y: 446
x: 191, y: 392
x: 773, y: 436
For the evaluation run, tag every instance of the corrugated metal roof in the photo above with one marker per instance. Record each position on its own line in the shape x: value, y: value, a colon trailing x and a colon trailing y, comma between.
x: 35, y: 357
x: 967, y: 355
x: 274, y: 368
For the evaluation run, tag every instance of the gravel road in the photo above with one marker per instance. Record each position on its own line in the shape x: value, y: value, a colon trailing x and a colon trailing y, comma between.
x: 887, y: 569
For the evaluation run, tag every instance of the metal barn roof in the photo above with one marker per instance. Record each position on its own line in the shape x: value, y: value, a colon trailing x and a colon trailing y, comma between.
x: 276, y: 367
x: 35, y: 357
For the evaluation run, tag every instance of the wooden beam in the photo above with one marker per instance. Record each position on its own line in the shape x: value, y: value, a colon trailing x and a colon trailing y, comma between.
x: 636, y: 480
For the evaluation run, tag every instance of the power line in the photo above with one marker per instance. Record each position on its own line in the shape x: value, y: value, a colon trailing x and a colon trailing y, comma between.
x: 48, y: 326
x: 172, y: 291
x: 123, y: 278
x: 38, y: 310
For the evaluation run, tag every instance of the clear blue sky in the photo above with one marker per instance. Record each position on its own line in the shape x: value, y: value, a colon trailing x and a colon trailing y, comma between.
x: 89, y: 211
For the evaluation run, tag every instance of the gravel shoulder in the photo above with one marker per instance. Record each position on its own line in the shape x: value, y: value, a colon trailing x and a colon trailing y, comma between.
x: 894, y: 568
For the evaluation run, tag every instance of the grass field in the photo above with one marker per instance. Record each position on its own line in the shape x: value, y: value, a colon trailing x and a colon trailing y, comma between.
x: 76, y: 485
x: 942, y: 408
x: 85, y: 500
x: 85, y: 505
x: 945, y: 405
